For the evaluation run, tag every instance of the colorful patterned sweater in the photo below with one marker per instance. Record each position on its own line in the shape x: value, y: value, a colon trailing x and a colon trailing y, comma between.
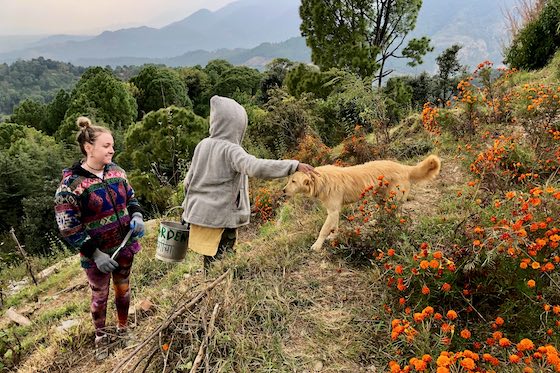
x: 94, y: 213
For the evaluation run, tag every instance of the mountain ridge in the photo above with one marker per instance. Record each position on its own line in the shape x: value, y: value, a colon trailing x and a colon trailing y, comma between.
x: 245, y: 25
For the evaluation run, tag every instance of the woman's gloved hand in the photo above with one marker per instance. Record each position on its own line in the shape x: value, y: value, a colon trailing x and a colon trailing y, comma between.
x: 104, y: 262
x: 137, y: 225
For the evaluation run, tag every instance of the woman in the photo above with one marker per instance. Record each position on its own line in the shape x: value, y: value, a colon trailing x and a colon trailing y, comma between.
x: 95, y: 208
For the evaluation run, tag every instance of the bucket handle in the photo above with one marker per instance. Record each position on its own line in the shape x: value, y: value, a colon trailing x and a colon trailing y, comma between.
x: 171, y: 209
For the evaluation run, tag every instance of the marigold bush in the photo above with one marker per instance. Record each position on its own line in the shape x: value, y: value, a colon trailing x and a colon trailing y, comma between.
x: 374, y: 226
x: 265, y: 203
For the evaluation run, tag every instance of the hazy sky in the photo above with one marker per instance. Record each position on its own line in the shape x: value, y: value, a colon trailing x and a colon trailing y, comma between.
x: 29, y: 17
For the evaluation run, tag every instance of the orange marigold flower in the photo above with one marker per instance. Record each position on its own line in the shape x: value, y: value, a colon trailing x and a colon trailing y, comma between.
x: 425, y: 290
x: 429, y: 310
x: 418, y: 364
x: 451, y: 315
x: 427, y: 358
x: 424, y: 264
x: 447, y: 328
x: 478, y: 230
x: 525, y: 345
x: 499, y: 321
x: 497, y: 335
x: 438, y: 255
x: 514, y: 359
x: 504, y: 342
x: 523, y: 265
x: 468, y: 363
x: 465, y: 333
x: 531, y: 283
x: 399, y: 269
x: 510, y: 195
x: 446, y: 287
x: 536, y: 265
x: 443, y: 361
x: 165, y: 347
x: 391, y: 252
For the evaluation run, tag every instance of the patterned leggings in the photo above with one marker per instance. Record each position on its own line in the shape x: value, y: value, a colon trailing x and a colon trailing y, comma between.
x: 99, y: 284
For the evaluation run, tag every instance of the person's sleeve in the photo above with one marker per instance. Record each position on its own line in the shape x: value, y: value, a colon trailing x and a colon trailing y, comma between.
x: 247, y: 164
x: 132, y: 204
x: 68, y: 219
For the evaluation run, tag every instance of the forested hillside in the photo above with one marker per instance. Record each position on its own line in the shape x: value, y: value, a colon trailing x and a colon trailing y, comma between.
x: 39, y: 80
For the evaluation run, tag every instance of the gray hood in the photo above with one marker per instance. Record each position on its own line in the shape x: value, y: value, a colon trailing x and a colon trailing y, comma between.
x: 228, y: 120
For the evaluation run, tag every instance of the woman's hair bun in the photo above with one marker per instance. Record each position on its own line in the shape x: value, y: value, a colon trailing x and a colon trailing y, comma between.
x: 83, y: 122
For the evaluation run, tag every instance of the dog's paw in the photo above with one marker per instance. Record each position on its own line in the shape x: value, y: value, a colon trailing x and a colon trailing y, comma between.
x: 317, y: 246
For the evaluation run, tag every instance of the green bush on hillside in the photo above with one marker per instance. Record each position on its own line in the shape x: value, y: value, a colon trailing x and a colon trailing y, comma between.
x: 535, y: 44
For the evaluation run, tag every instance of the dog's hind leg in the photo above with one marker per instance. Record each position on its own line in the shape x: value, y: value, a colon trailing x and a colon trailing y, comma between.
x: 330, y: 225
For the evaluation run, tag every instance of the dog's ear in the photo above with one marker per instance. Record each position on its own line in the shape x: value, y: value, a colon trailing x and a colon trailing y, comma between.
x: 306, y: 181
x: 313, y: 178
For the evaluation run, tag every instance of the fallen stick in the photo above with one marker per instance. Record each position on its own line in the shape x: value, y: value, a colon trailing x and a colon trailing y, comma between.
x: 205, y: 341
x: 167, y: 322
x: 71, y: 288
x: 24, y: 256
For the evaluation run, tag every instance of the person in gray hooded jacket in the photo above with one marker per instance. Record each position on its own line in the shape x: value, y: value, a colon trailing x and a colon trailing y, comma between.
x: 216, y: 185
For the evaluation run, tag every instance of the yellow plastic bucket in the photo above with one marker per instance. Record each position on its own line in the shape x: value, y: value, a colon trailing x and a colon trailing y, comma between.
x: 172, y: 242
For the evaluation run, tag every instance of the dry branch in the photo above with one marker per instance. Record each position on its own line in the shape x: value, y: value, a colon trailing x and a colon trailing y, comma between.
x: 24, y: 256
x: 167, y: 322
x: 206, y: 340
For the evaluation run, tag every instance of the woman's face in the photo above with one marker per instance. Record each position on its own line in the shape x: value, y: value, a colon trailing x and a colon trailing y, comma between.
x: 101, y: 151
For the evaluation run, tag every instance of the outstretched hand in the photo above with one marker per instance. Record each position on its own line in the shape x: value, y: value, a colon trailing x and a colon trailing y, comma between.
x: 306, y: 169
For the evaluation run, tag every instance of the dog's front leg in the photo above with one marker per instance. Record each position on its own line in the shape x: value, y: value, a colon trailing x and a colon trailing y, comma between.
x: 330, y: 224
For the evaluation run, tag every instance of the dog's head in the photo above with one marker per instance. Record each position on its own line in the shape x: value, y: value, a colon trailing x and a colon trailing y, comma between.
x: 299, y: 183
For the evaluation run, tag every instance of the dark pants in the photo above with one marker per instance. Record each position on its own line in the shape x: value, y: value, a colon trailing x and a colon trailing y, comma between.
x: 226, y: 244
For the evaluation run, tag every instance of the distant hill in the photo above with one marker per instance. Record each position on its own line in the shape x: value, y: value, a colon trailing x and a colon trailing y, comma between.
x: 252, y: 32
x: 293, y: 48
x: 242, y: 24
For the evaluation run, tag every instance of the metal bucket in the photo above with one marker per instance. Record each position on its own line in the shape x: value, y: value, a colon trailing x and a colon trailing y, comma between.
x: 172, y: 241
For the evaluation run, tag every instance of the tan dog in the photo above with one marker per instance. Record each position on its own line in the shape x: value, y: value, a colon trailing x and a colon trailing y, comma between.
x: 337, y: 186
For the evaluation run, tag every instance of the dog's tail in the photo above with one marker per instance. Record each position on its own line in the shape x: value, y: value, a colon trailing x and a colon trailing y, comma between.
x: 426, y: 170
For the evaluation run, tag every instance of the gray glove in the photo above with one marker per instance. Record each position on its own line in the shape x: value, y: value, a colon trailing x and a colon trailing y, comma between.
x: 104, y: 262
x: 137, y: 225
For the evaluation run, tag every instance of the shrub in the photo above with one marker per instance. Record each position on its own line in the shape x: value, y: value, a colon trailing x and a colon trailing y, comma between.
x: 376, y: 226
x: 286, y: 122
x: 538, y: 108
x: 534, y: 45
x: 264, y: 204
x: 502, y: 284
x: 502, y: 164
x: 312, y: 150
x: 356, y: 149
